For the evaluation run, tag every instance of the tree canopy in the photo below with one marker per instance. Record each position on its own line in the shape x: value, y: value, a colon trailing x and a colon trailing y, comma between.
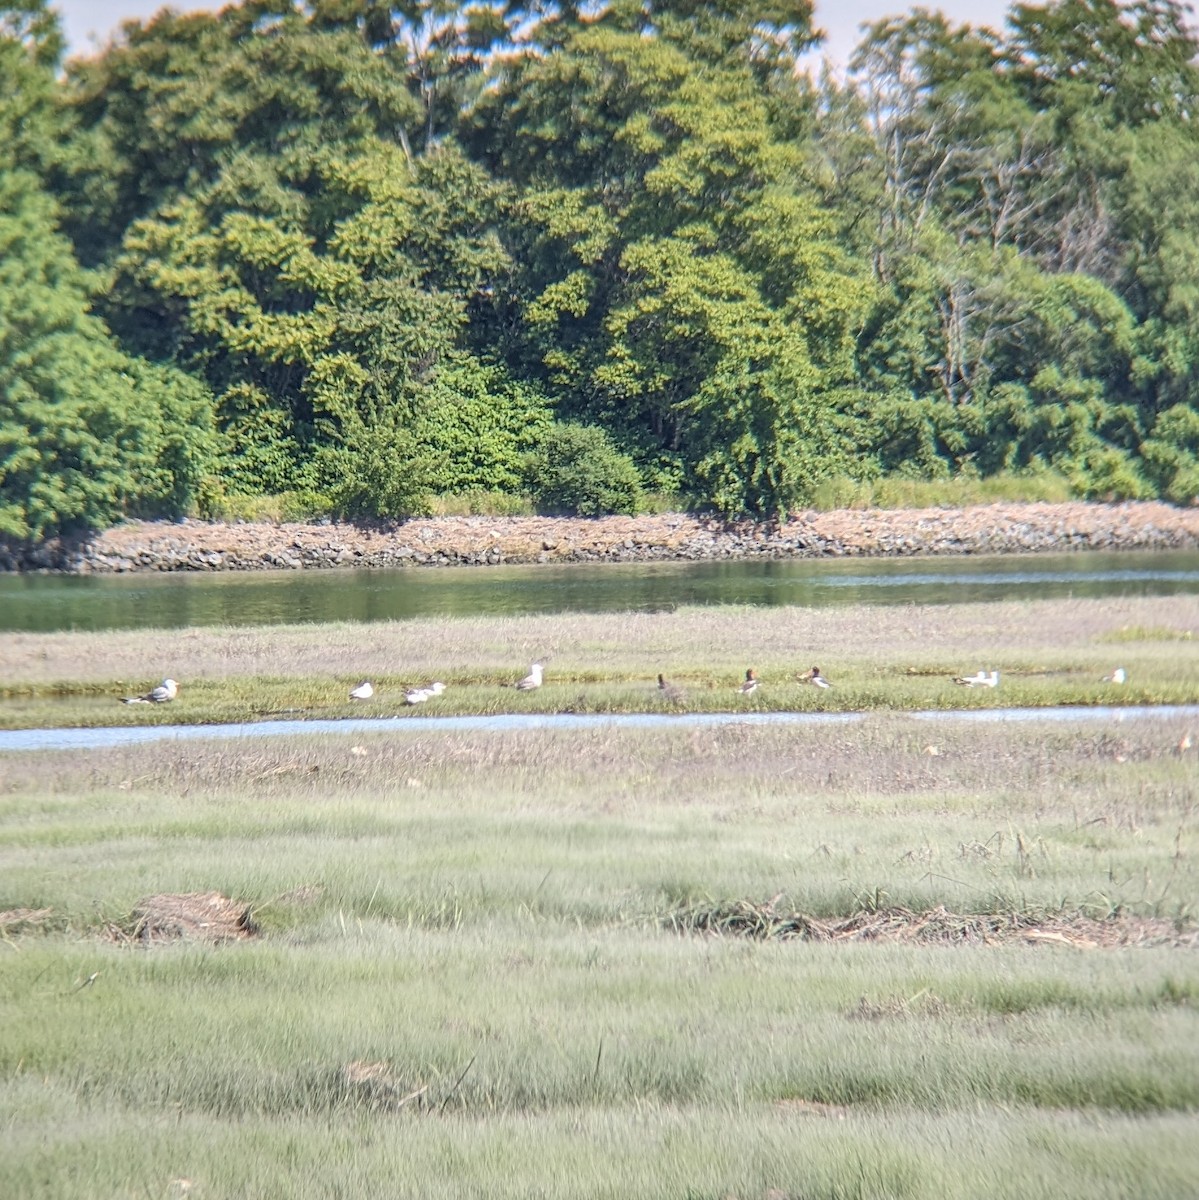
x: 366, y: 253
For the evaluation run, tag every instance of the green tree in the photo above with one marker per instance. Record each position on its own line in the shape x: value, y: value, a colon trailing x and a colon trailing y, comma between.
x: 278, y: 238
x: 87, y: 433
x: 678, y: 278
x: 1171, y: 454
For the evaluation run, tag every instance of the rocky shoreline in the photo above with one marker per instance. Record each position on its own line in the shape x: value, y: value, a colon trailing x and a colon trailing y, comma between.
x: 481, y: 541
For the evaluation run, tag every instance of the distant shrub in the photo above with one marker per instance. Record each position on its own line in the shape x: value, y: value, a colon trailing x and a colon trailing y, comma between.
x: 577, y: 469
x: 1171, y: 454
x: 380, y: 469
x: 1105, y: 473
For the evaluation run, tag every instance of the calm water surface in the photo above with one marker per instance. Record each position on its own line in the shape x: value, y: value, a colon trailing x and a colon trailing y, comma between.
x: 45, y: 603
x: 99, y: 739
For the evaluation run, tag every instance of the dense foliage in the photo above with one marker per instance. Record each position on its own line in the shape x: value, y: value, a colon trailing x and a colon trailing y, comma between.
x: 366, y: 254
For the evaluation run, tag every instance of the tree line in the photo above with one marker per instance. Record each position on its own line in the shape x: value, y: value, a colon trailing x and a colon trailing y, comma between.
x: 363, y: 254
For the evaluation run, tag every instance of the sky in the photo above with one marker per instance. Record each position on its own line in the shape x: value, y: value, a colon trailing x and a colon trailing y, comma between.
x: 89, y: 23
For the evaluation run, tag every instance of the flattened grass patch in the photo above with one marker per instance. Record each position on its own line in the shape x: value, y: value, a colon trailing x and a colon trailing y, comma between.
x: 935, y: 927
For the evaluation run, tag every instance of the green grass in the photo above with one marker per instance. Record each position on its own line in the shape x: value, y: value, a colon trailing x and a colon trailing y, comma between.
x: 465, y: 954
x: 472, y: 978
x: 481, y: 503
x: 1139, y: 633
x: 960, y: 491
x: 892, y: 492
x: 858, y: 689
x: 1049, y: 653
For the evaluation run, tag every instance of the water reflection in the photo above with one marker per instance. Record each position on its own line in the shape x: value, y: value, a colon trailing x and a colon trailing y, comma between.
x: 52, y: 602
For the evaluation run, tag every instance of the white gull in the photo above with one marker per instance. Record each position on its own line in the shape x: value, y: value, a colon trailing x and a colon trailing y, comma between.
x: 982, y: 679
x: 531, y: 680
x: 168, y: 689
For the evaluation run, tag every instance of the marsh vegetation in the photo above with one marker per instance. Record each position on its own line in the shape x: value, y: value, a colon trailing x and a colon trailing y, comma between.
x: 1049, y: 652
x: 495, y: 965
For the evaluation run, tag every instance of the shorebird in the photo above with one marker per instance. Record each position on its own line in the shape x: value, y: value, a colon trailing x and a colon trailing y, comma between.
x: 420, y: 695
x: 1119, y: 675
x: 751, y: 683
x: 168, y: 689
x: 364, y: 691
x: 671, y: 691
x: 815, y: 678
x: 982, y: 679
x: 531, y: 680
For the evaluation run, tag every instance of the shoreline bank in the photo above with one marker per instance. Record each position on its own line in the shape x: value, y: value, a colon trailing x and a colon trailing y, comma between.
x: 140, y: 546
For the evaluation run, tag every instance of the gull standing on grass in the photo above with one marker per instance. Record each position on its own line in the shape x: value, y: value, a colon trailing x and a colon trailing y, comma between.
x: 168, y: 689
x: 982, y: 679
x: 1119, y: 675
x: 364, y: 691
x: 531, y: 680
x: 421, y: 694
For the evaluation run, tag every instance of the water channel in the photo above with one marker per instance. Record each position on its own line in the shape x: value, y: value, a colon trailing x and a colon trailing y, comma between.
x: 46, y: 603
x: 106, y: 738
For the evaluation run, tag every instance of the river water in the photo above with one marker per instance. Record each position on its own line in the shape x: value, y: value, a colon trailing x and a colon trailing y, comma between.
x: 45, y: 603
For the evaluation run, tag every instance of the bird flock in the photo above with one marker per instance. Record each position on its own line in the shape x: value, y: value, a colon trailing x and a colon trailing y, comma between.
x: 168, y: 689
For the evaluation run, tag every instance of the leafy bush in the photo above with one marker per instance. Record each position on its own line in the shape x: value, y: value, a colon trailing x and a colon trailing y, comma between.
x: 577, y: 469
x: 1105, y: 473
x: 261, y: 453
x: 187, y: 445
x: 480, y: 425
x: 379, y: 468
x: 1171, y: 454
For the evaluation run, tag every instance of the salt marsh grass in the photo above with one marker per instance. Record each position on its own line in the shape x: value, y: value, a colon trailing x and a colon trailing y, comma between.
x: 1048, y: 653
x: 466, y: 981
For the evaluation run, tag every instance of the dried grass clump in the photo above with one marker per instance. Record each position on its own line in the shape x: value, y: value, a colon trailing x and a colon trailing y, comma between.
x: 937, y: 926
x: 15, y: 920
x: 193, y: 916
